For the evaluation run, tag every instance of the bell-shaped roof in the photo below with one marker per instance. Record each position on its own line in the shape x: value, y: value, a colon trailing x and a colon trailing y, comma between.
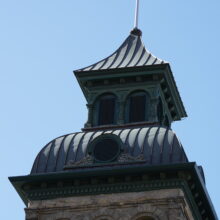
x: 132, y: 53
x: 157, y: 145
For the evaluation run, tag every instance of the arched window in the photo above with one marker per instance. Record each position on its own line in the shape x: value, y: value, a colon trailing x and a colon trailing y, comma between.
x: 137, y: 107
x: 106, y: 106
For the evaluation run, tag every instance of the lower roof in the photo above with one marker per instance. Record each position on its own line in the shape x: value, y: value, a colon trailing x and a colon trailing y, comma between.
x: 157, y: 145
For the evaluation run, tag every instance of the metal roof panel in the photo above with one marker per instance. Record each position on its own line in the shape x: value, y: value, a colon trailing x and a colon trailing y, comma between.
x: 131, y: 53
x: 158, y: 145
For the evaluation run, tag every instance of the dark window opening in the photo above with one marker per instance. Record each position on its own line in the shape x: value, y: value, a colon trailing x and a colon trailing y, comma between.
x: 160, y: 111
x: 137, y: 108
x: 106, y: 150
x: 106, y: 110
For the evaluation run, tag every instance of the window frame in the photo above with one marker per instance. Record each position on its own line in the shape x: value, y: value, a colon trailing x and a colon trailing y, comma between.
x: 128, y: 103
x: 97, y: 108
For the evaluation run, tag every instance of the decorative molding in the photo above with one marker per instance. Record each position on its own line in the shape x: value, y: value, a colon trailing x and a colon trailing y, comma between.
x: 124, y: 157
x: 51, y: 193
x: 89, y: 161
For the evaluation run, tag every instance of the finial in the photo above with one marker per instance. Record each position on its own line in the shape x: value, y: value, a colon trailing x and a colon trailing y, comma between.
x: 136, y: 15
x: 136, y: 31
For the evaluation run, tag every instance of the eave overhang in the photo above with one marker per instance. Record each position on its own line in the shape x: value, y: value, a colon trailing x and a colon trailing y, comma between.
x: 130, y: 179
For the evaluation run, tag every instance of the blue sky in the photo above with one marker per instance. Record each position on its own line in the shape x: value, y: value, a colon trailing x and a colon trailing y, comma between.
x: 43, y: 41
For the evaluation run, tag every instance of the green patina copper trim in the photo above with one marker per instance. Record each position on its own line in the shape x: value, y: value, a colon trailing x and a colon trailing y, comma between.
x: 120, y: 179
x: 43, y: 194
x: 114, y: 171
x: 94, y: 83
x: 112, y: 164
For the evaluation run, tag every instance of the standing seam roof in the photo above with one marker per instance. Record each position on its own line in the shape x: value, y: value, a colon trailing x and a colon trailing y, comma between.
x: 159, y: 145
x: 132, y: 53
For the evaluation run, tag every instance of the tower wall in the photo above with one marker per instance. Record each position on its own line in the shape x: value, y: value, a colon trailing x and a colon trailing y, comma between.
x: 164, y: 204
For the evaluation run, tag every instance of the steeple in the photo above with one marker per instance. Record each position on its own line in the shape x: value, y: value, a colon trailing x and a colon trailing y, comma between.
x: 130, y: 87
x: 126, y: 163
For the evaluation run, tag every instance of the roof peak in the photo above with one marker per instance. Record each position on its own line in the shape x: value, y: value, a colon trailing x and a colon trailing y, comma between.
x: 136, y: 31
x: 132, y: 53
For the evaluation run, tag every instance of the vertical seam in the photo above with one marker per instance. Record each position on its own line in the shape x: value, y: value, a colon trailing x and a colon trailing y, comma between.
x: 117, y: 54
x: 135, y: 141
x: 154, y: 61
x: 39, y: 155
x: 70, y: 144
x: 35, y: 165
x: 81, y: 139
x: 125, y: 55
x: 126, y: 140
x: 142, y: 54
x: 152, y: 149
x: 145, y: 139
x: 58, y: 154
x: 120, y: 133
x: 171, y: 150
x: 162, y: 147
x: 137, y: 46
x: 51, y: 147
x: 89, y: 142
x: 147, y: 59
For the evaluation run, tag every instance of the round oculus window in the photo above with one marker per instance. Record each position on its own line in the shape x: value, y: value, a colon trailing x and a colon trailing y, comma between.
x: 106, y: 150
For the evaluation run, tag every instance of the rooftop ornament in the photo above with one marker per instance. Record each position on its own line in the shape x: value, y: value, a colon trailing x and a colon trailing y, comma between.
x: 136, y: 14
x: 136, y: 31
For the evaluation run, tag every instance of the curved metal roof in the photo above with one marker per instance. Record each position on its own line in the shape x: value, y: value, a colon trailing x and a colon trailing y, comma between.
x: 158, y: 145
x: 132, y: 53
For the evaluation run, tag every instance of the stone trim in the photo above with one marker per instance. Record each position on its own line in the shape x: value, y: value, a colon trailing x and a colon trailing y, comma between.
x: 123, y: 206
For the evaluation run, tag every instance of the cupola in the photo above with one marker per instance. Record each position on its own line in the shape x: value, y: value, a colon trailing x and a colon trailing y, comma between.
x: 131, y: 87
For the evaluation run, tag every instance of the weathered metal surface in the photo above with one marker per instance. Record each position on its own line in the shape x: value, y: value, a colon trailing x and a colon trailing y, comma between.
x: 158, y: 145
x: 132, y: 53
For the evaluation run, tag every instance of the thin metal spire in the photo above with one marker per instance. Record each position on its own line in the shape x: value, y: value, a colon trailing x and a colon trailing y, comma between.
x: 136, y: 14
